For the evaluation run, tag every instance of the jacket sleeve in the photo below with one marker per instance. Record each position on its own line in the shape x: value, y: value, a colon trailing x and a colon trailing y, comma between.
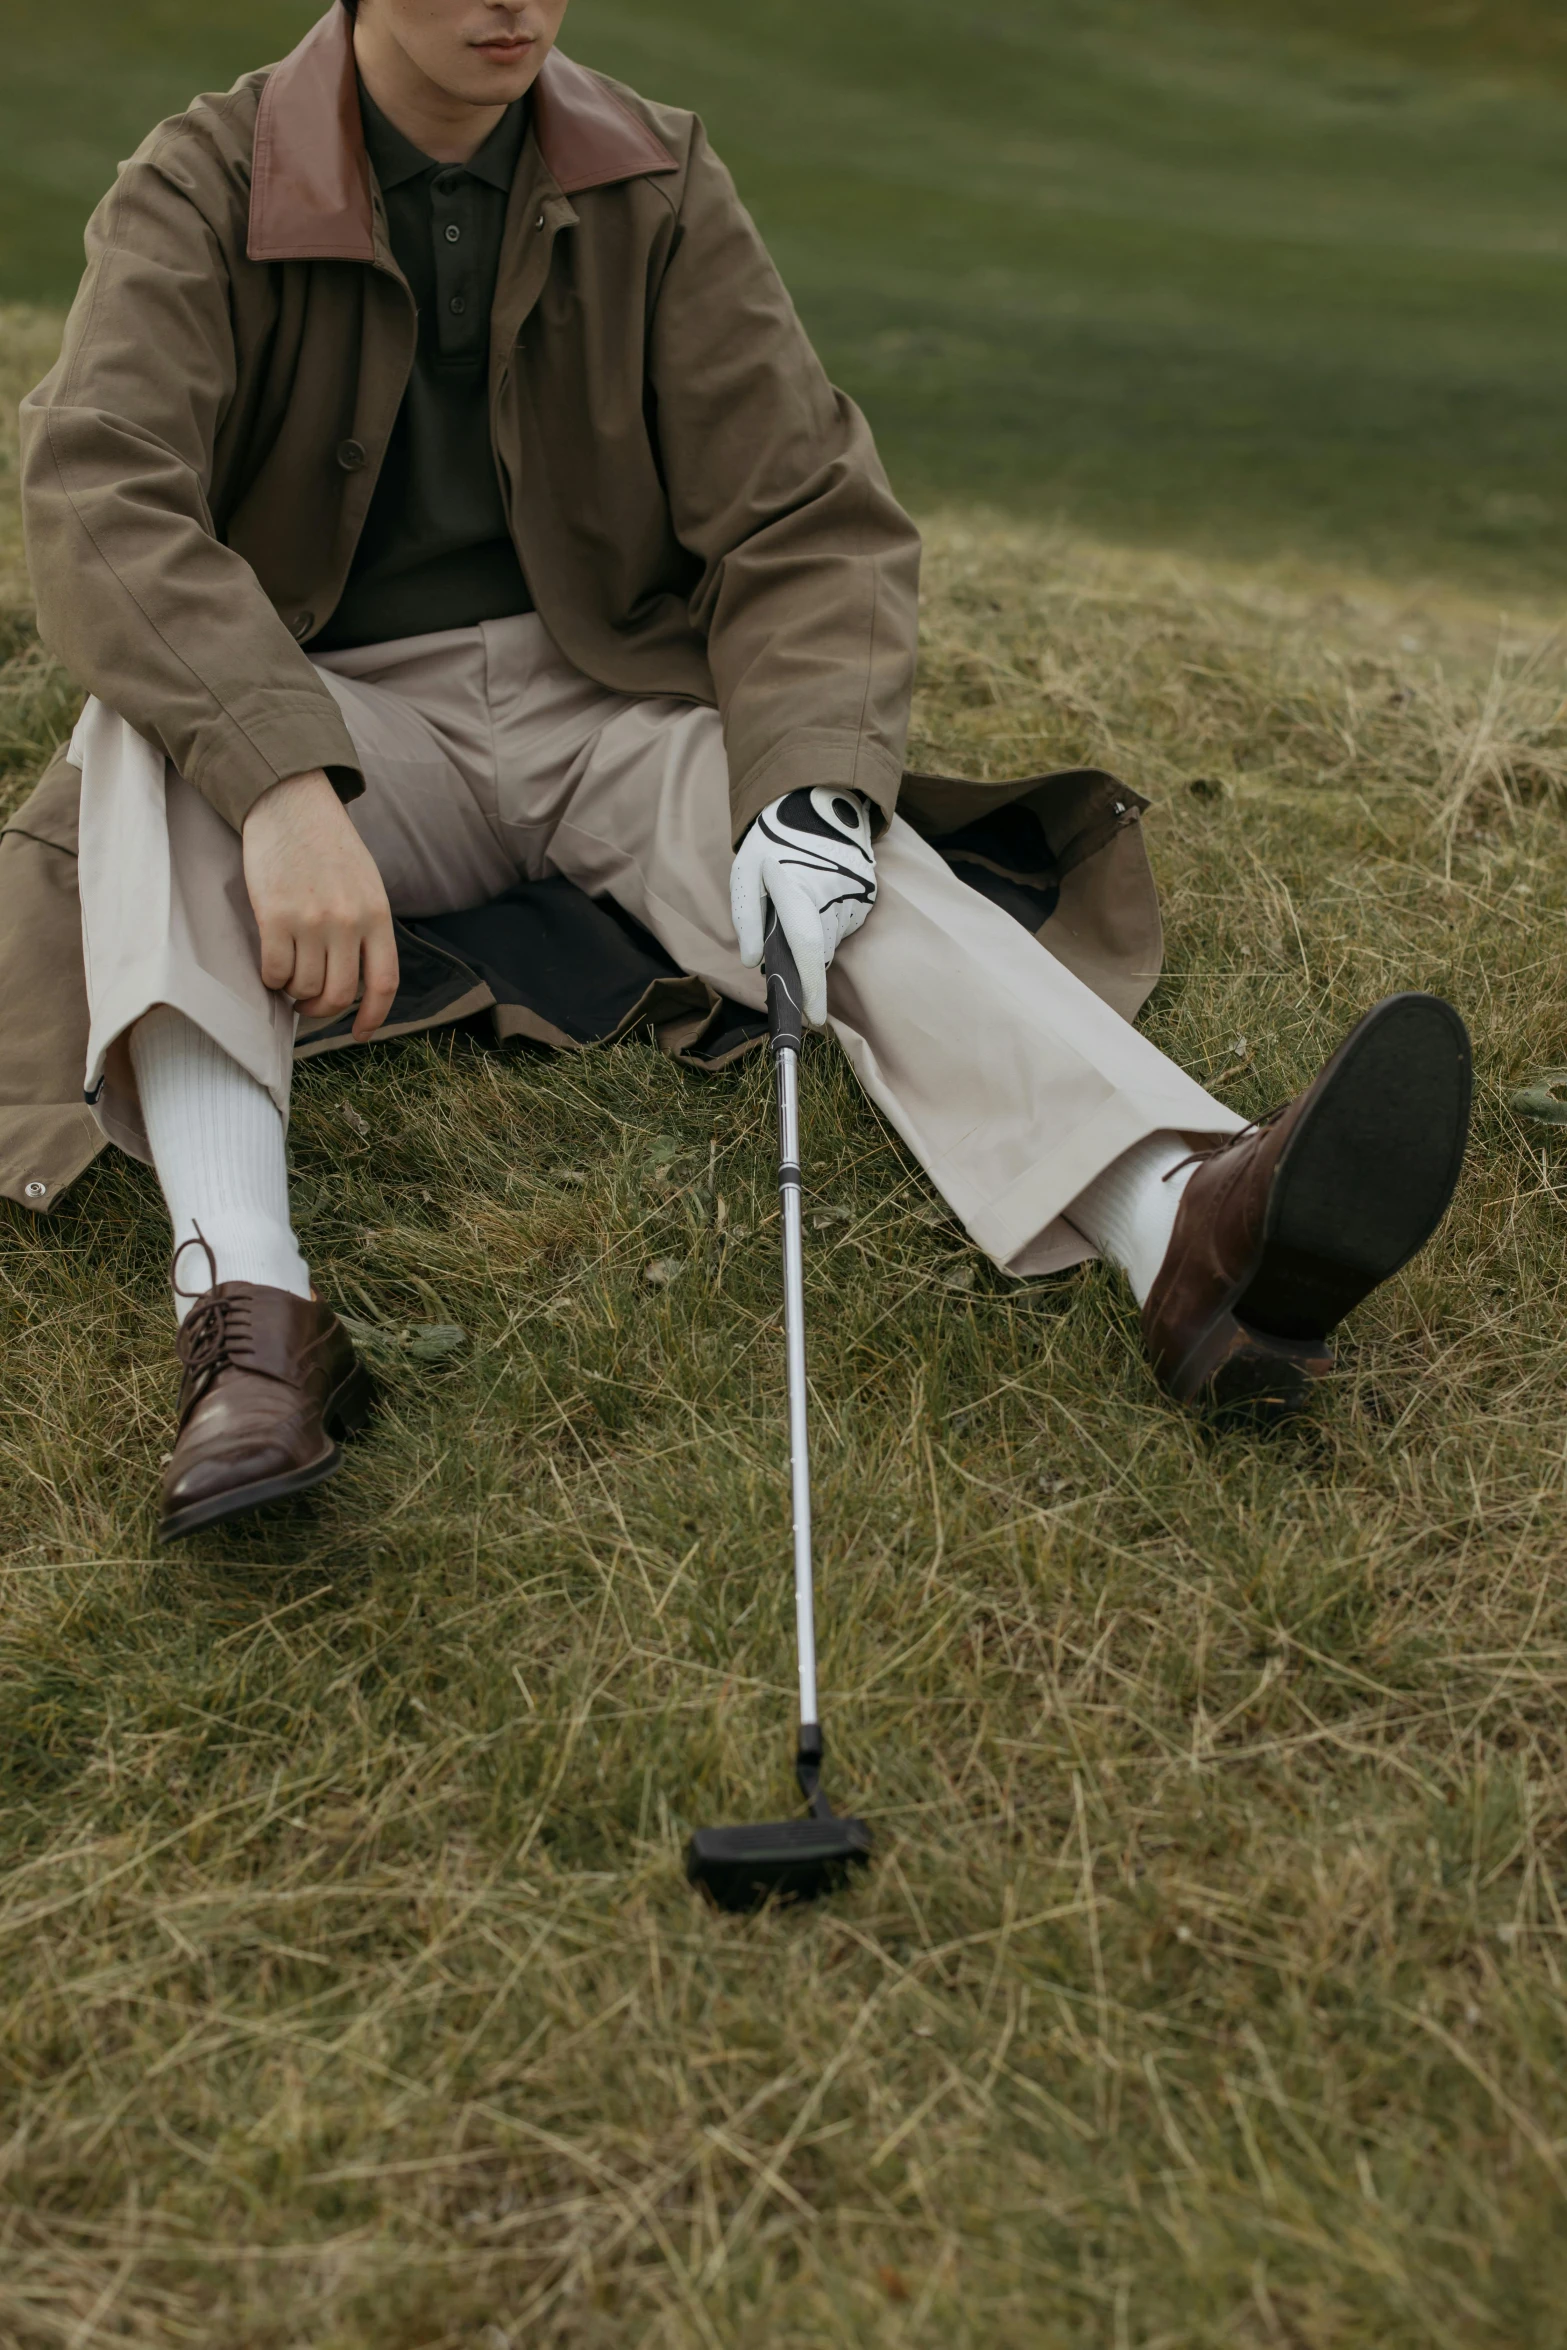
x: 136, y: 593
x: 809, y: 589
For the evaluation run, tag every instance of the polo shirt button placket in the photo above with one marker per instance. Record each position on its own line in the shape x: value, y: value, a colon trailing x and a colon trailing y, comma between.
x: 449, y: 271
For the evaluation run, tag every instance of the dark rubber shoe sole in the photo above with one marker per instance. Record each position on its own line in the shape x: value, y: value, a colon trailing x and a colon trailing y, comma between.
x: 1362, y: 1183
x: 346, y: 1414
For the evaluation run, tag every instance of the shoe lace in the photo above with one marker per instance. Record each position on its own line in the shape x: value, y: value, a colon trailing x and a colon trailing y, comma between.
x: 213, y: 1323
x: 204, y: 1336
x: 1226, y: 1142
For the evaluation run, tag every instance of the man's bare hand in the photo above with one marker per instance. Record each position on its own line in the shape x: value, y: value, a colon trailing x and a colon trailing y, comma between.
x: 320, y: 905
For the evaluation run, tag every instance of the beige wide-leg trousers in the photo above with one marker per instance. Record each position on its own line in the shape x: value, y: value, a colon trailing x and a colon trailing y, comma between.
x: 487, y: 757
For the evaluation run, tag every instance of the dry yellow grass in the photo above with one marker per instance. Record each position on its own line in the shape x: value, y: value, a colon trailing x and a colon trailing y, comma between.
x: 1209, y: 1989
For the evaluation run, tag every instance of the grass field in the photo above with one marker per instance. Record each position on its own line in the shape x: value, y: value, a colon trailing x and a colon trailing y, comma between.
x: 1209, y: 1992
x: 1210, y: 1988
x: 1203, y: 277
x: 1519, y: 39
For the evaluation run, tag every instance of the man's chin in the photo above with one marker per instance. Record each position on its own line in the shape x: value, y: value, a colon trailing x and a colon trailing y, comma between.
x: 484, y: 84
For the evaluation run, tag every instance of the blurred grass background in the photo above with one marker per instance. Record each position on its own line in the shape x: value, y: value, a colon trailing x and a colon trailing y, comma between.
x: 1264, y: 273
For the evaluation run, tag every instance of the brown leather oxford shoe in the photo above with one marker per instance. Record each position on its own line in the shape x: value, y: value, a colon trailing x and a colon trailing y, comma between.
x: 271, y: 1386
x: 1287, y: 1226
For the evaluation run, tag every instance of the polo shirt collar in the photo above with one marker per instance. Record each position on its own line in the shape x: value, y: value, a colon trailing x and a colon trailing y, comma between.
x: 397, y: 159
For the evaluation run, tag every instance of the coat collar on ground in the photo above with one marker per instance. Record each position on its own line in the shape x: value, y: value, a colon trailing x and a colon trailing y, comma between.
x: 310, y: 184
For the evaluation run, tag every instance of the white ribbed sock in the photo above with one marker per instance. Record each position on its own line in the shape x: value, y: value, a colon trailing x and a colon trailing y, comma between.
x: 1128, y: 1212
x: 217, y: 1143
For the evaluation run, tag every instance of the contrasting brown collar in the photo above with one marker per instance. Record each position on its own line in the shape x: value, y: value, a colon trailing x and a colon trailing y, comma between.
x: 310, y: 183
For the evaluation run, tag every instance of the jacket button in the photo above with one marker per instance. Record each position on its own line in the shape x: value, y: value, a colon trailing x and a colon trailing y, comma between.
x: 35, y: 1189
x: 539, y: 223
x: 304, y: 626
x: 351, y: 455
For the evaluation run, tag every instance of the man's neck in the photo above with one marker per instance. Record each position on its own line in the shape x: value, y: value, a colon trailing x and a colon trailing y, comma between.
x: 446, y: 129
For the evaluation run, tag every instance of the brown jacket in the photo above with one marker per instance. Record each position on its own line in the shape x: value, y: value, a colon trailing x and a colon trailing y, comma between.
x: 696, y: 509
x: 698, y: 512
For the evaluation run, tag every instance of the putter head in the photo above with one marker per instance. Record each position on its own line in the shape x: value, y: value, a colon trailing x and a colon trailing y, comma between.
x: 785, y: 1860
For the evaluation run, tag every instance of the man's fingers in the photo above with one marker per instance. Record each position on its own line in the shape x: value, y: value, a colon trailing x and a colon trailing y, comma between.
x: 319, y: 902
x: 745, y: 904
x: 277, y: 957
x: 813, y: 990
x: 308, y: 976
x: 802, y: 927
x: 340, y: 979
x: 849, y: 918
x: 381, y: 975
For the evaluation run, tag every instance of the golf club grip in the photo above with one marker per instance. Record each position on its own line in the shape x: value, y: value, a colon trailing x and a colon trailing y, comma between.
x: 785, y: 1011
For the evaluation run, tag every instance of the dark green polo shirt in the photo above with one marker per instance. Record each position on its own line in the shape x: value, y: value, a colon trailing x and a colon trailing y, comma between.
x: 436, y: 552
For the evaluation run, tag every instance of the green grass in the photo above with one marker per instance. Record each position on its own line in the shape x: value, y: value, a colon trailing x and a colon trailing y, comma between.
x: 1208, y: 1993
x: 1209, y: 1988
x: 1519, y: 39
x: 1170, y: 276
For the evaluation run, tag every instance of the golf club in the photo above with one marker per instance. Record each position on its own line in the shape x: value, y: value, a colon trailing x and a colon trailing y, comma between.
x: 789, y: 1860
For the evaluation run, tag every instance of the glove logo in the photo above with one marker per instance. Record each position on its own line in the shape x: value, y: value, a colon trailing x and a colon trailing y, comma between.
x: 827, y: 835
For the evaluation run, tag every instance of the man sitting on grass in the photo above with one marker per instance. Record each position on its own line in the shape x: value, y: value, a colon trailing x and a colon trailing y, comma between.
x: 439, y: 499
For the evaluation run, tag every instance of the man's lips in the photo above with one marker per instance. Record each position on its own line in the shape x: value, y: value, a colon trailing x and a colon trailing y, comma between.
x: 507, y: 47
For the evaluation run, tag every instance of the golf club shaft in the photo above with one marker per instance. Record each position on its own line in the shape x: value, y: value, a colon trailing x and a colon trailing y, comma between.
x: 786, y: 1027
x: 788, y: 1064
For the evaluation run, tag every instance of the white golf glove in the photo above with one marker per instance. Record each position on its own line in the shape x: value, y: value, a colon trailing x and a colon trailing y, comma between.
x: 811, y: 854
